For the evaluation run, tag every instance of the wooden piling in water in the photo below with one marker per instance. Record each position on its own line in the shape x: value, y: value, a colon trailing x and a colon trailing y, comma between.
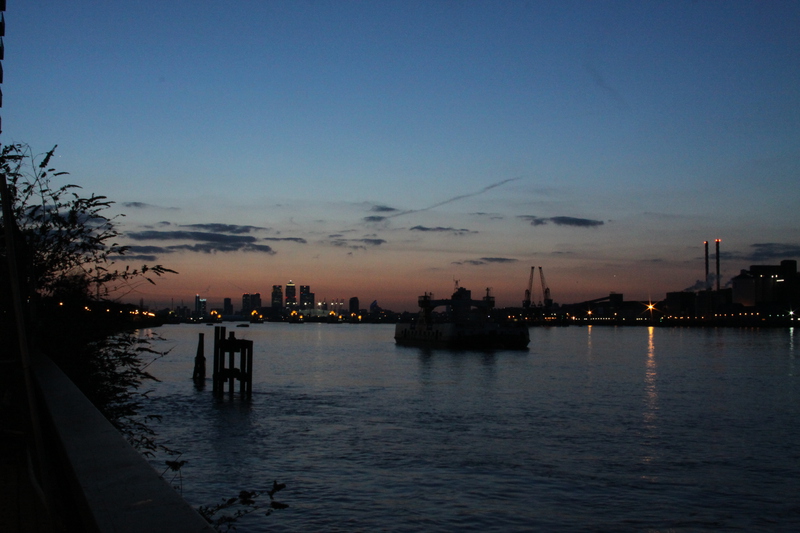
x: 199, y: 373
x: 230, y: 347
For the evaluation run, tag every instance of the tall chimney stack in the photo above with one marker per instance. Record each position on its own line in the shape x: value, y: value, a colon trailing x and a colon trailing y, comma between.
x: 718, y: 240
x: 708, y: 283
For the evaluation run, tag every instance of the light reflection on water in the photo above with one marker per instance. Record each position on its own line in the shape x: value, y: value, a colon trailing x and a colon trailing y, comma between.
x: 592, y: 429
x: 651, y: 393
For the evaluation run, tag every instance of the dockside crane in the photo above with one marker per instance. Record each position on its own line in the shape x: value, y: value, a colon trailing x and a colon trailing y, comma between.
x: 526, y: 303
x: 548, y: 301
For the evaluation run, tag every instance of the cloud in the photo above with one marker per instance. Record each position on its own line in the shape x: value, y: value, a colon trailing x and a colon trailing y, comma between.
x: 149, y: 258
x: 206, y: 242
x: 214, y: 247
x: 456, y: 198
x: 290, y: 239
x: 382, y: 209
x: 600, y: 81
x: 373, y: 219
x: 142, y: 205
x: 440, y: 229
x: 372, y: 242
x: 224, y: 228
x: 486, y: 260
x: 562, y: 221
x: 356, y: 244
x: 147, y: 249
x: 491, y: 216
x: 766, y: 251
x: 141, y: 253
x: 201, y: 236
x: 700, y: 285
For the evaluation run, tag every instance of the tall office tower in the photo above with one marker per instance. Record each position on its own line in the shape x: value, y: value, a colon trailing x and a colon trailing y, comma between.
x: 247, y: 306
x: 306, y: 297
x: 200, y: 307
x: 227, y: 307
x: 354, y: 305
x: 291, y: 295
x: 255, y: 301
x: 277, y: 297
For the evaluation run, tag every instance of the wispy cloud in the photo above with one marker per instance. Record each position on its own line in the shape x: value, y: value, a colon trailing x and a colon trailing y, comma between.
x: 382, y: 209
x: 491, y: 216
x: 201, y: 236
x: 562, y: 221
x: 146, y: 249
x: 199, y: 242
x: 456, y: 198
x: 355, y: 244
x: 150, y: 253
x: 290, y: 239
x: 224, y: 247
x: 224, y: 228
x: 486, y: 260
x: 600, y: 81
x: 142, y: 253
x: 372, y: 242
x: 765, y: 251
x: 143, y: 205
x: 126, y: 257
x: 439, y: 229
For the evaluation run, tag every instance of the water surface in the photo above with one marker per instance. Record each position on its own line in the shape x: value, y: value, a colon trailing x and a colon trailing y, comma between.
x: 591, y: 429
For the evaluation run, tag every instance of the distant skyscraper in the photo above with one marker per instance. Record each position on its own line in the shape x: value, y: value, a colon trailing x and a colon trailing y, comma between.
x: 227, y: 307
x: 291, y: 295
x: 353, y: 305
x: 306, y: 297
x: 255, y: 301
x: 374, y: 307
x: 277, y: 297
x: 199, y: 306
x: 247, y: 306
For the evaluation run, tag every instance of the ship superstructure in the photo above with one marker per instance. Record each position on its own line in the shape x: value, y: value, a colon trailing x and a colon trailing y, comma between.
x: 467, y: 323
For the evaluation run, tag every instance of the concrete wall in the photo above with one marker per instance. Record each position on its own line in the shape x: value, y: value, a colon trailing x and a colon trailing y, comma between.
x: 114, y: 488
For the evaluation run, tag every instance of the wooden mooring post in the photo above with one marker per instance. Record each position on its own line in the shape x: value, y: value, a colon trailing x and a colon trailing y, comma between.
x: 230, y: 347
x: 199, y: 374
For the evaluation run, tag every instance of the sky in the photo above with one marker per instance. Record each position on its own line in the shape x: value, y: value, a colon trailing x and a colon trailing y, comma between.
x: 386, y: 149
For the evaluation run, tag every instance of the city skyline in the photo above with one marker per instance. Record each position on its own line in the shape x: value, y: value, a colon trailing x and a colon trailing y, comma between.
x: 383, y: 150
x: 536, y: 293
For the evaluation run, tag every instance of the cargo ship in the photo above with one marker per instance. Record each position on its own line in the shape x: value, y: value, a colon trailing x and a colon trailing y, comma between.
x: 467, y: 324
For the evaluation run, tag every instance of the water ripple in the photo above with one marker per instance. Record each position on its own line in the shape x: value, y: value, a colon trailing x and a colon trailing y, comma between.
x: 637, y: 430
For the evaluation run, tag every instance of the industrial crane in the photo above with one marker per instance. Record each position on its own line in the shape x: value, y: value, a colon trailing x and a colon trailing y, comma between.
x: 548, y: 302
x: 526, y: 303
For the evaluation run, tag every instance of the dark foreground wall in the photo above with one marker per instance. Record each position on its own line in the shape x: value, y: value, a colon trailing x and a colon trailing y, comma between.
x: 112, y: 488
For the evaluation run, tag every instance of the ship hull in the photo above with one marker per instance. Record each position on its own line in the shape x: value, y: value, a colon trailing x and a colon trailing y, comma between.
x: 480, y: 336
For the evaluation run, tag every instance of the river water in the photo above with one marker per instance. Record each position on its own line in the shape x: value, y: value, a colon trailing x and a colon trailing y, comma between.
x: 591, y: 429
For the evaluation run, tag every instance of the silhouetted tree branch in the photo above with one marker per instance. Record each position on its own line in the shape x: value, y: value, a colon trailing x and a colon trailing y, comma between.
x: 64, y: 243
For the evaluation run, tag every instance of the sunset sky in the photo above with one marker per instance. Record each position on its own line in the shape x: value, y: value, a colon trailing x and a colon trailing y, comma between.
x: 382, y: 149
